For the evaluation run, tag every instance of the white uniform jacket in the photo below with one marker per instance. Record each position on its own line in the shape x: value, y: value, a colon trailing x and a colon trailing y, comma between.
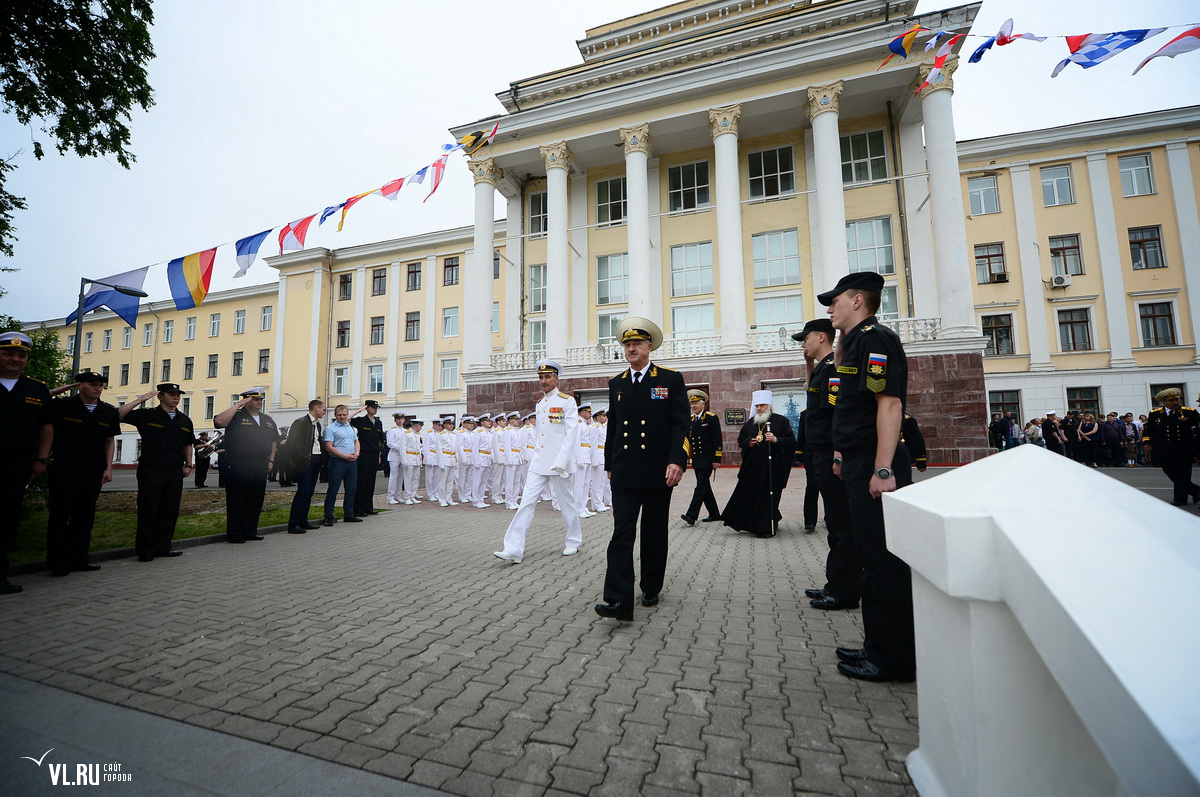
x: 395, y: 444
x: 556, y: 442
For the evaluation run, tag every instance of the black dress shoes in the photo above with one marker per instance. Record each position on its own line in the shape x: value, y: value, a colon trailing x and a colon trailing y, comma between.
x: 238, y: 541
x: 649, y: 600
x: 59, y: 572
x: 85, y: 568
x: 9, y: 589
x: 297, y: 530
x: 852, y: 655
x: 816, y: 593
x: 352, y: 520
x: 691, y: 521
x: 327, y: 522
x: 255, y: 537
x: 309, y: 526
x: 712, y: 519
x: 365, y: 514
x: 145, y: 558
x: 830, y: 602
x: 169, y: 554
x: 866, y: 671
x: 615, y: 611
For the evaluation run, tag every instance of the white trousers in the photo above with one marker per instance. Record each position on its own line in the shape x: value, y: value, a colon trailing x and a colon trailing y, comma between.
x: 582, y: 486
x: 433, y: 482
x: 395, y: 479
x: 514, y: 538
x: 412, y: 481
x: 522, y: 474
x: 599, y: 484
x: 510, y: 484
x: 464, y: 483
x: 478, y: 485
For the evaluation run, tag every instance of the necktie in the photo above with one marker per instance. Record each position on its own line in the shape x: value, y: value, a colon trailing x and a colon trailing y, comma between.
x: 318, y: 441
x: 637, y: 379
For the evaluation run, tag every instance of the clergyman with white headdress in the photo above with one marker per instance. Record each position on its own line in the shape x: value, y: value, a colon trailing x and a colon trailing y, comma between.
x: 767, y: 445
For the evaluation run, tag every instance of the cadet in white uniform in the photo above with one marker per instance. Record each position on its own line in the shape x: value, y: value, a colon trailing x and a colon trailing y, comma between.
x: 466, y: 453
x: 395, y: 457
x: 515, y: 450
x: 583, y: 462
x: 553, y: 462
x: 412, y: 461
x: 430, y: 445
x: 448, y: 463
x: 599, y: 480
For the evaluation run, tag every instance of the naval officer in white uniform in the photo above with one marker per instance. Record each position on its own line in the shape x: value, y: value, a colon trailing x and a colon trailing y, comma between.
x: 555, y: 452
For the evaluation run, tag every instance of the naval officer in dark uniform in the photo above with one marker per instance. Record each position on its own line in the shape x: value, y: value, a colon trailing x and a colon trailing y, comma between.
x: 704, y: 448
x: 25, y: 445
x: 868, y: 457
x: 644, y: 457
x: 168, y: 443
x: 250, y: 438
x: 1170, y: 435
x: 84, y: 428
x: 372, y: 442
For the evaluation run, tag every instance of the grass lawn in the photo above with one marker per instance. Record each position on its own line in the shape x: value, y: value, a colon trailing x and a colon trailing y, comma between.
x: 200, y: 514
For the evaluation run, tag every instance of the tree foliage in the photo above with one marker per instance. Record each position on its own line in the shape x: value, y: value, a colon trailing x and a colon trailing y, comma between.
x: 48, y: 363
x: 74, y: 69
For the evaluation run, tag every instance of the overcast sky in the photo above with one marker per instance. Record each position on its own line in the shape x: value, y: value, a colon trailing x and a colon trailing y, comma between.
x: 270, y: 111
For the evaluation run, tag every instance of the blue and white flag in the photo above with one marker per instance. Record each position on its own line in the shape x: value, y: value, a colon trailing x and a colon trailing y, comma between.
x: 104, y: 296
x: 1096, y: 48
x: 247, y: 250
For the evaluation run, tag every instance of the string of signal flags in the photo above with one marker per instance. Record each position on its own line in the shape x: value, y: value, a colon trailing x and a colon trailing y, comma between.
x: 189, y: 277
x: 1087, y: 49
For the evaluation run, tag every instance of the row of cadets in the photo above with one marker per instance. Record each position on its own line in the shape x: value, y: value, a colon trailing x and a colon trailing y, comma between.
x: 507, y: 457
x: 447, y: 463
x: 412, y: 461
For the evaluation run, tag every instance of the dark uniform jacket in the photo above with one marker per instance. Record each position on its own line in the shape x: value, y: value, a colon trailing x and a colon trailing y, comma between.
x: 647, y: 425
x: 704, y: 440
x: 80, y: 434
x: 300, y: 441
x: 371, y: 437
x: 248, y: 441
x: 824, y: 383
x: 25, y: 409
x: 914, y: 441
x: 873, y: 361
x: 1173, y: 435
x: 163, y: 438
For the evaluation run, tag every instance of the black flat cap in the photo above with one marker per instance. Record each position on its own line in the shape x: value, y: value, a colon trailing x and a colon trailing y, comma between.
x: 91, y: 376
x: 168, y: 387
x: 816, y: 325
x: 862, y: 280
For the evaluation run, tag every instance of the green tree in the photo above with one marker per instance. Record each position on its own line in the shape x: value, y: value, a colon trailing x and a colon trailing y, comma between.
x: 47, y: 362
x: 74, y: 69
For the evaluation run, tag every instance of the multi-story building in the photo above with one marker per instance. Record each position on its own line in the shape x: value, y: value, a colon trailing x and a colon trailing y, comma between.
x: 714, y: 166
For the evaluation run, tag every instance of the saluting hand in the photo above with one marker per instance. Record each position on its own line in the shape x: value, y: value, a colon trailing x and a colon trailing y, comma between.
x: 64, y: 388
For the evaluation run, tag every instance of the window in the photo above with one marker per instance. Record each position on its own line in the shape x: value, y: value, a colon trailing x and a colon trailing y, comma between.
x: 343, y: 335
x: 537, y: 335
x: 612, y: 278
x: 495, y: 265
x: 375, y: 378
x: 264, y: 361
x: 998, y: 331
x: 341, y: 381
x: 606, y: 327
x: 537, y: 288
x: 1002, y: 401
x: 538, y: 217
x: 869, y: 246
x: 776, y: 258
x: 1056, y: 186
x: 1137, y: 176
x: 121, y: 446
x: 610, y: 201
x: 189, y: 328
x: 495, y: 316
x: 378, y: 281
x: 1158, y: 324
x: 412, y: 326
x: 1084, y: 399
x: 186, y: 405
x: 70, y: 344
x: 449, y: 322
x: 107, y: 344
x: 168, y: 331
x: 104, y: 372
x: 376, y: 330
x: 189, y: 367
x: 127, y: 338
x: 413, y: 277
x: 210, y: 407
x: 166, y: 371
x: 212, y: 366
x: 863, y: 157
x: 1145, y: 247
x: 771, y: 173
x: 145, y: 372
x: 87, y: 342
x: 450, y: 271
x: 1064, y: 255
x: 772, y: 312
x: 983, y: 194
x: 889, y: 309
x: 239, y: 322
x: 148, y: 334
x: 1074, y: 330
x: 687, y: 187
x: 450, y: 373
x: 125, y: 374
x: 236, y: 368
x: 691, y: 269
x: 214, y: 325
x: 411, y: 376
x: 989, y: 264
x: 693, y: 321
x: 345, y: 287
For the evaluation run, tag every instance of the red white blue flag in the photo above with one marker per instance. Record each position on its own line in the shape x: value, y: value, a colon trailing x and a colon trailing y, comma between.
x: 1091, y: 49
x: 1185, y: 42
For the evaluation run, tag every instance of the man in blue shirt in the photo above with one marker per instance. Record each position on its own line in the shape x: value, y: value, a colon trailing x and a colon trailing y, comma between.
x: 341, y: 443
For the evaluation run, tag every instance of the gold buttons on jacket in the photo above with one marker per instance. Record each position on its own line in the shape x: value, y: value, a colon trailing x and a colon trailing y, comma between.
x: 625, y: 447
x: 643, y: 434
x: 643, y: 446
x: 643, y: 421
x: 626, y: 423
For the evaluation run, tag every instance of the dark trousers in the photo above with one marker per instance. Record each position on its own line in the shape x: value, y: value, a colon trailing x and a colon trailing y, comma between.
x: 14, y: 475
x: 843, y: 570
x: 887, y: 608
x: 812, y: 492
x: 703, y: 494
x: 159, y: 491
x: 654, y: 505
x: 201, y: 470
x: 340, y: 472
x: 364, y: 489
x: 1178, y: 468
x: 74, y: 489
x: 306, y: 482
x: 245, y: 487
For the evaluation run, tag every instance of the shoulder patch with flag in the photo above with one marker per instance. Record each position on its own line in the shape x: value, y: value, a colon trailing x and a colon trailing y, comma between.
x: 876, y: 372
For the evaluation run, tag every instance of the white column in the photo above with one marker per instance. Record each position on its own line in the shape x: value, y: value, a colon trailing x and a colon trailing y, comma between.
x: 955, y: 299
x: 557, y: 159
x: 637, y: 152
x: 513, y: 270
x: 391, y: 371
x: 916, y: 213
x: 823, y: 107
x: 357, y: 322
x: 1112, y: 281
x: 477, y: 283
x: 578, y: 262
x: 280, y: 337
x: 655, y: 275
x: 723, y: 124
x: 1032, y: 289
x: 316, y: 329
x: 1188, y: 221
x: 429, y: 322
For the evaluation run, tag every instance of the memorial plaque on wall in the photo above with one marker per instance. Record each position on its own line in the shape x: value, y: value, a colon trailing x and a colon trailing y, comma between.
x: 735, y: 416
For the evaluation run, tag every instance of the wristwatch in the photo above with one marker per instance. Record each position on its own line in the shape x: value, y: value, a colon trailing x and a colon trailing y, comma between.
x: 884, y: 473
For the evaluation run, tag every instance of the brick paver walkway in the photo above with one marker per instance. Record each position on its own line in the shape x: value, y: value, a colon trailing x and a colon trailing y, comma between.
x: 403, y: 647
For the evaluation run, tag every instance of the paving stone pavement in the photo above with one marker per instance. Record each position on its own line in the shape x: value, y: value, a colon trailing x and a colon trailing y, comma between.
x: 401, y: 646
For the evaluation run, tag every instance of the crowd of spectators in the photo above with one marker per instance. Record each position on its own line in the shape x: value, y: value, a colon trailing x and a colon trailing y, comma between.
x: 1111, y: 442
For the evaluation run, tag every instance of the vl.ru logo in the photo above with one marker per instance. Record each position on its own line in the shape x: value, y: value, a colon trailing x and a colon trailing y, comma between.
x: 83, y: 775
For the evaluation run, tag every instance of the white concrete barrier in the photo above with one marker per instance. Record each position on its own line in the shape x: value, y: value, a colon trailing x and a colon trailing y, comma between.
x: 1058, y: 631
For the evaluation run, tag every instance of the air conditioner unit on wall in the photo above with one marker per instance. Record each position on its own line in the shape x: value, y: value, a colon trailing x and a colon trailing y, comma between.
x: 1060, y: 281
x: 1001, y: 277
